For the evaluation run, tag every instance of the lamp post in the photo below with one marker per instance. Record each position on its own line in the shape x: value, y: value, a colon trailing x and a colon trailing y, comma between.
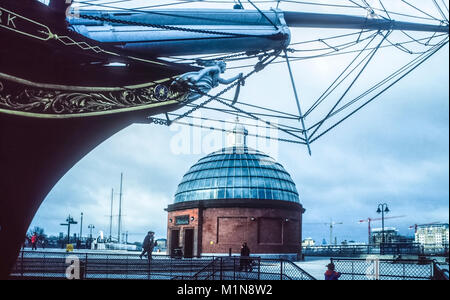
x: 81, y: 227
x: 382, y: 208
x: 69, y: 221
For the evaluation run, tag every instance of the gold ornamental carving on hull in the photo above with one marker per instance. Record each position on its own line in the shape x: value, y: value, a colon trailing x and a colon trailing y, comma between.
x: 18, y: 99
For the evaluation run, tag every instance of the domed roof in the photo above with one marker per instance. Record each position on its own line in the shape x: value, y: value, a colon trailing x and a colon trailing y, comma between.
x: 237, y: 173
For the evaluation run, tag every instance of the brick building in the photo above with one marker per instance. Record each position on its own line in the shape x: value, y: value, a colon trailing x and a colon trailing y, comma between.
x: 232, y: 196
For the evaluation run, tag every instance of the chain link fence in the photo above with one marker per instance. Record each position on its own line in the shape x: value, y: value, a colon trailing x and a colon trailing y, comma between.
x: 73, y: 265
x: 384, y: 269
x: 251, y: 268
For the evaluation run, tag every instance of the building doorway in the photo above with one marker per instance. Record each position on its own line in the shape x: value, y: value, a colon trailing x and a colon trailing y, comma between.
x: 175, y: 242
x: 188, y: 243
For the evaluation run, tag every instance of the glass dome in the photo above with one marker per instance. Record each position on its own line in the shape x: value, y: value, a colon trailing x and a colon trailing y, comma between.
x: 237, y: 173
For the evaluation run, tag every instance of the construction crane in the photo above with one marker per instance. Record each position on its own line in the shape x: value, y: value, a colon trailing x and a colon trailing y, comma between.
x: 370, y: 220
x: 417, y: 225
x: 331, y: 225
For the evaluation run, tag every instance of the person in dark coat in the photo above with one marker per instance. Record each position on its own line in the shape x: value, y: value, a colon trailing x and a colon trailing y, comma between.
x: 245, y: 261
x: 148, y: 244
x: 331, y: 274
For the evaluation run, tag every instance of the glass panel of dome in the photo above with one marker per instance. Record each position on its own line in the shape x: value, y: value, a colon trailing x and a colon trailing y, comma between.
x: 193, y: 196
x: 207, y: 183
x: 220, y: 172
x: 246, y: 193
x: 238, y: 181
x: 229, y: 193
x: 217, y: 164
x: 230, y: 172
x: 226, y: 164
x: 238, y: 171
x: 237, y: 193
x: 221, y: 194
x: 276, y: 184
x: 202, y: 194
x: 196, y: 184
x: 245, y: 171
x: 258, y: 172
x: 187, y: 197
x: 254, y: 193
x: 250, y: 163
x: 245, y: 181
x: 268, y: 194
x: 182, y: 197
x: 261, y: 193
x: 230, y: 181
x: 245, y: 162
x: 279, y: 195
x: 222, y: 181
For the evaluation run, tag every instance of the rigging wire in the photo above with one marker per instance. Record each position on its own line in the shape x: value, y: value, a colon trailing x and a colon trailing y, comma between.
x: 381, y: 92
x: 334, y: 50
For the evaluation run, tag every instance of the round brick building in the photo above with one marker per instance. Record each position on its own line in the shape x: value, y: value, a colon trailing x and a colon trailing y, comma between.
x: 236, y: 195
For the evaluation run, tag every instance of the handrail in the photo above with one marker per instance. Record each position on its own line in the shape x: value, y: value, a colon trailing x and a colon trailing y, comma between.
x: 438, y: 272
x: 207, y: 266
x: 303, y: 272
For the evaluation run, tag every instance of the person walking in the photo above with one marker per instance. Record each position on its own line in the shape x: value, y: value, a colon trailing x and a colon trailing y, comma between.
x: 147, y: 245
x: 244, y: 263
x: 34, y: 240
x: 331, y: 274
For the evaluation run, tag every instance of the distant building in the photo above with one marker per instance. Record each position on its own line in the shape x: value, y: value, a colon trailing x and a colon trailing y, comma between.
x: 161, y: 245
x: 432, y: 235
x: 308, y: 242
x: 391, y: 236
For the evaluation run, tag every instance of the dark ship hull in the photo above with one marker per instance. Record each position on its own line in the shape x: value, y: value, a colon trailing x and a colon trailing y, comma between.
x: 60, y: 97
x: 58, y: 101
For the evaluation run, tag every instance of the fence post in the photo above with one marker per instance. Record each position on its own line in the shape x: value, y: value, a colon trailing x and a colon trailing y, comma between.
x: 353, y: 270
x: 21, y: 264
x: 214, y: 269
x: 234, y: 269
x: 43, y: 266
x: 281, y: 269
x: 259, y: 268
x: 86, y: 267
x: 221, y: 268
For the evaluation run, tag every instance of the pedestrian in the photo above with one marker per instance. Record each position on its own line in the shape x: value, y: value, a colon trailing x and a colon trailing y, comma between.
x: 34, y: 240
x: 331, y: 274
x: 148, y: 244
x: 244, y: 263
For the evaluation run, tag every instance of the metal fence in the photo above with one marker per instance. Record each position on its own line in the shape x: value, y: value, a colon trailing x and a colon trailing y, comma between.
x: 387, y: 269
x: 62, y: 265
x: 250, y: 268
x: 355, y: 250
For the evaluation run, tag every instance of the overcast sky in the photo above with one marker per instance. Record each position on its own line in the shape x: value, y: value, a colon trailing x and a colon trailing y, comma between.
x: 396, y: 150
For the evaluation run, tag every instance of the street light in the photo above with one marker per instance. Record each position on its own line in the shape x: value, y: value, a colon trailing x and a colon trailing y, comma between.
x: 382, y: 208
x: 69, y: 221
